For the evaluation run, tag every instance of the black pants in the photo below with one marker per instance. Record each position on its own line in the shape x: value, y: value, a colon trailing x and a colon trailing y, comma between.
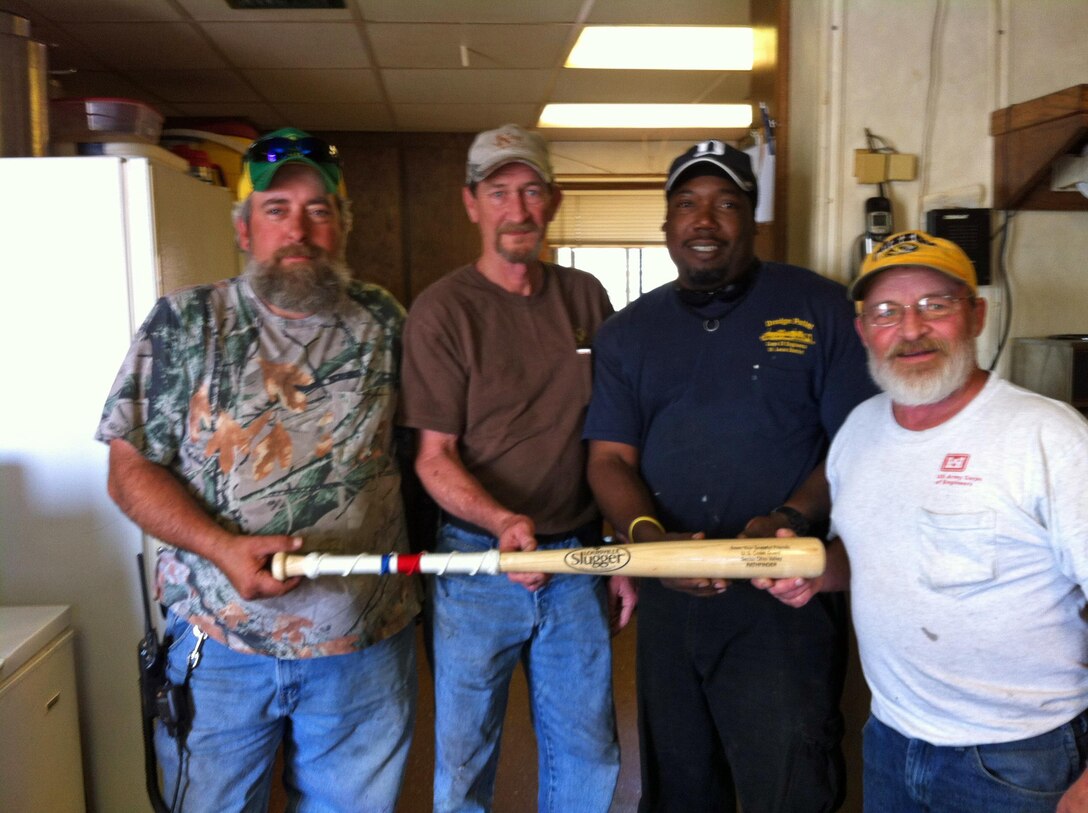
x: 739, y: 697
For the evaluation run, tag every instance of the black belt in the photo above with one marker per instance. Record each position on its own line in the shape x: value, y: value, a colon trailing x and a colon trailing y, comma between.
x: 590, y: 533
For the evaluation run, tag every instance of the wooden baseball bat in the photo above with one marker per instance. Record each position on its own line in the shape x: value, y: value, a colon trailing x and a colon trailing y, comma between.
x: 772, y: 558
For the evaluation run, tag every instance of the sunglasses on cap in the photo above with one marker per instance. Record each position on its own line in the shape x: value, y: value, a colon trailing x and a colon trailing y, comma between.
x: 277, y: 148
x: 267, y: 155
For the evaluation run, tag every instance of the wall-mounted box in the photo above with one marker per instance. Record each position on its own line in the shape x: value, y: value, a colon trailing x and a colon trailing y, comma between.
x: 870, y: 167
x: 902, y: 167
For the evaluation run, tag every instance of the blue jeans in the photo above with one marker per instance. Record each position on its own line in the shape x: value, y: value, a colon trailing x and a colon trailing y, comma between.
x: 482, y: 627
x: 345, y: 722
x: 903, y: 775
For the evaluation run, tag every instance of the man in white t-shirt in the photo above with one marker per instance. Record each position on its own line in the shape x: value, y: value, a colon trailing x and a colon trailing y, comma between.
x: 962, y: 506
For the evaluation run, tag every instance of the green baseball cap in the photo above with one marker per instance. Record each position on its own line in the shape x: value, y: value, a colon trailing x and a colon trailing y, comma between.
x: 270, y: 152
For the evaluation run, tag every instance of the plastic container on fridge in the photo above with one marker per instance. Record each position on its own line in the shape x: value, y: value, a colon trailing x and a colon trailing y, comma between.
x: 101, y: 119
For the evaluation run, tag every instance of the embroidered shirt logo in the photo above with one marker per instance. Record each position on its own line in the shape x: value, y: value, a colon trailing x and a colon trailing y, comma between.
x: 953, y: 471
x: 788, y: 335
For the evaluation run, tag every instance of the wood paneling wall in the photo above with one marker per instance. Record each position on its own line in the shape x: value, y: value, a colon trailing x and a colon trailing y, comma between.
x: 410, y: 226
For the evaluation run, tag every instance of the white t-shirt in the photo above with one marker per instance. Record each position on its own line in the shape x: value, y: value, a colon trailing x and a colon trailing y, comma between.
x: 968, y: 546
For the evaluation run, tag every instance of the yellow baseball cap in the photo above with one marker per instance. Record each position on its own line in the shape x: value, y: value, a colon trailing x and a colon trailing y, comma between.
x: 915, y: 248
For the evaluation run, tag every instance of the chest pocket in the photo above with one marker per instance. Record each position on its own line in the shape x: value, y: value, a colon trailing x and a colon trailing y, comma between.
x: 957, y: 550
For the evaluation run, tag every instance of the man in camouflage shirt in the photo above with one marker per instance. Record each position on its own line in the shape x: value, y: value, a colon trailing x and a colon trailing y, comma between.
x: 255, y: 416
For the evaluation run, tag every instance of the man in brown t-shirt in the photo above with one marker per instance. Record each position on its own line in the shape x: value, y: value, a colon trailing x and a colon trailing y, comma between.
x: 496, y: 379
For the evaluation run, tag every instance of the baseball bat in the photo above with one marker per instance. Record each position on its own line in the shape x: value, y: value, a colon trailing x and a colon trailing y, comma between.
x: 773, y: 558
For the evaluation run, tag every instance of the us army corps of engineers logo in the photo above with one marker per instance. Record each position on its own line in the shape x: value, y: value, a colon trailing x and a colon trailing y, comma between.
x: 788, y: 335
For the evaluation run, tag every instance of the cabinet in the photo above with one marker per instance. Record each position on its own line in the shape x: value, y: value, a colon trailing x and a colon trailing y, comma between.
x: 1028, y: 138
x: 40, y: 755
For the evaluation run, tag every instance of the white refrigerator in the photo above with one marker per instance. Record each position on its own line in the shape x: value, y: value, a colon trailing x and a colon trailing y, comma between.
x: 86, y: 246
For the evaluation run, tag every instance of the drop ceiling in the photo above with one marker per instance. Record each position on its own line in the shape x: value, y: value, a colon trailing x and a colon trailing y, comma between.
x: 375, y: 65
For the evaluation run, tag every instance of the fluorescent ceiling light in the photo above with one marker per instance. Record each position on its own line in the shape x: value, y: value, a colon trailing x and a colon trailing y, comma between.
x: 663, y: 48
x: 650, y: 116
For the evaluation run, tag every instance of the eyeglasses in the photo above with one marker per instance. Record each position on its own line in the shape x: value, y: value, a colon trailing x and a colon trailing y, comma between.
x: 928, y: 308
x: 272, y: 150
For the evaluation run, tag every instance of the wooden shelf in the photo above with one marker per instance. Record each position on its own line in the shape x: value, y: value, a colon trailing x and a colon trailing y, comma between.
x: 1028, y: 138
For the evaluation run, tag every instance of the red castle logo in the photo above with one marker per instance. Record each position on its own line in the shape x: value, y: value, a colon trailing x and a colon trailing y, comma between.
x: 955, y: 462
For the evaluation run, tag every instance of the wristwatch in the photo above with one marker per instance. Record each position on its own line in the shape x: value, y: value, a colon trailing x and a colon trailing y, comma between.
x: 799, y: 524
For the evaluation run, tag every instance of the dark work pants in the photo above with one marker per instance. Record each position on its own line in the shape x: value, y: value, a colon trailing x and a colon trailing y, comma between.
x: 739, y: 697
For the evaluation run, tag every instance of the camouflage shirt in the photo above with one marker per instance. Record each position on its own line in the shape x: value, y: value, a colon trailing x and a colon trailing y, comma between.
x: 276, y: 426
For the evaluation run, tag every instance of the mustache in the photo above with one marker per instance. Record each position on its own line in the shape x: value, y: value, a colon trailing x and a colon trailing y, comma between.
x: 927, y: 345
x: 519, y: 228
x: 309, y: 252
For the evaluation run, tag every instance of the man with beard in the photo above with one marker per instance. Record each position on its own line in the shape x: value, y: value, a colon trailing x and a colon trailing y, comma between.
x: 496, y: 380
x: 714, y: 401
x: 962, y: 502
x: 255, y: 416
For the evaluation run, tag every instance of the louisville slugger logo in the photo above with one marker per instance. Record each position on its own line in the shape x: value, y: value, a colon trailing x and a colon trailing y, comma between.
x: 597, y: 560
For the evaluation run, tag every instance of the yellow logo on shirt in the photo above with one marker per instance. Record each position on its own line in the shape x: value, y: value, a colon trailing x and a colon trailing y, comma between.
x: 788, y: 335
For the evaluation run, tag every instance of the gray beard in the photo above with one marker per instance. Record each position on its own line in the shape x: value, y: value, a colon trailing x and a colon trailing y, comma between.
x: 517, y: 257
x: 931, y: 387
x: 315, y: 287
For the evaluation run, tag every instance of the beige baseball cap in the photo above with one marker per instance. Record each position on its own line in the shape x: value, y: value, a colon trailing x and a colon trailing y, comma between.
x: 509, y: 143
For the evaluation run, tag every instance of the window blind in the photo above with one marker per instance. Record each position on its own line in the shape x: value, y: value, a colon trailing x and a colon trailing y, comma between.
x: 609, y: 217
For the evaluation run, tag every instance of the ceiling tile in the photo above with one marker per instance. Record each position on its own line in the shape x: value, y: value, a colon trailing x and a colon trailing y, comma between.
x: 471, y: 11
x: 465, y: 118
x: 73, y: 11
x: 674, y: 12
x: 642, y: 157
x: 203, y: 57
x: 336, y: 116
x: 81, y: 84
x: 65, y: 52
x: 690, y: 136
x: 262, y: 116
x: 331, y: 86
x: 464, y: 85
x: 138, y: 46
x: 218, y: 10
x: 290, y: 45
x: 198, y: 86
x: 489, y: 46
x: 661, y: 87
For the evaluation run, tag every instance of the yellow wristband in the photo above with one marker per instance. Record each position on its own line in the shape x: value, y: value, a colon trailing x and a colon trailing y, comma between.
x: 636, y: 521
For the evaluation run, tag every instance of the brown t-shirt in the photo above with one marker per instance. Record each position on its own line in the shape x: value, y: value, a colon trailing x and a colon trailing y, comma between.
x: 504, y: 373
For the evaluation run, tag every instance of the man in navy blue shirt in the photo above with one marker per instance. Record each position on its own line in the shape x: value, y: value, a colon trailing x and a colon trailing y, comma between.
x: 714, y: 402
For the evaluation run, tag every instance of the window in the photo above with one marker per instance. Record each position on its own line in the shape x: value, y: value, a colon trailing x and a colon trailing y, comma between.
x: 615, y: 234
x: 626, y: 273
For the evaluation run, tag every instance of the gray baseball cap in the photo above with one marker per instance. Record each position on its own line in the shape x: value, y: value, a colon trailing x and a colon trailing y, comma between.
x: 509, y: 143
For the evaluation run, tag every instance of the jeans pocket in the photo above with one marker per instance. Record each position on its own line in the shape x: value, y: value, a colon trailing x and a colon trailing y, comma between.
x: 1048, y: 763
x: 179, y: 640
